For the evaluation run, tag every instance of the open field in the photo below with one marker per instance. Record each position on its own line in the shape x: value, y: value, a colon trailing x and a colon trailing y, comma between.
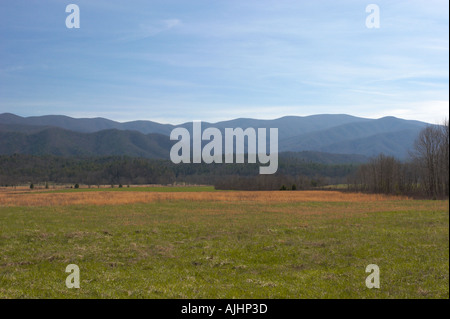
x: 192, y: 244
x: 153, y: 194
x: 107, y: 188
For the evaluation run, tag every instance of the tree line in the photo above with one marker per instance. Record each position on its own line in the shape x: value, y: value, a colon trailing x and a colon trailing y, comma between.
x: 19, y: 169
x: 425, y: 175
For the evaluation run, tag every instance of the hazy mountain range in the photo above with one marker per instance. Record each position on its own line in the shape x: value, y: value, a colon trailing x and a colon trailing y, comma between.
x: 316, y: 134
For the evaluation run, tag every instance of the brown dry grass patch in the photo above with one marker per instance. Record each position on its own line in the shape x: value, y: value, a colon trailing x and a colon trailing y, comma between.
x: 124, y: 197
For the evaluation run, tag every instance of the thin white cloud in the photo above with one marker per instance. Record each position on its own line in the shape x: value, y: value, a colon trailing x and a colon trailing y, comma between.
x: 149, y: 29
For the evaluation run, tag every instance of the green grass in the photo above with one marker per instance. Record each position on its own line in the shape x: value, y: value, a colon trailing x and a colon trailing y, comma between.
x: 201, y: 249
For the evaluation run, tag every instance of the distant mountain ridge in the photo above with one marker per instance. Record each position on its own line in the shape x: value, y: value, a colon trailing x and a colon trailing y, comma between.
x: 60, y: 142
x: 85, y: 125
x: 288, y: 126
x: 325, y: 133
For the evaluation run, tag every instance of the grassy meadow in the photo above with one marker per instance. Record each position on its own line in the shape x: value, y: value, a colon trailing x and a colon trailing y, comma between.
x: 200, y: 243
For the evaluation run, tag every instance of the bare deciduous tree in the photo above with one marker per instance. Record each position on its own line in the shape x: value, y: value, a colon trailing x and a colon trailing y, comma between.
x: 427, y: 174
x: 431, y: 153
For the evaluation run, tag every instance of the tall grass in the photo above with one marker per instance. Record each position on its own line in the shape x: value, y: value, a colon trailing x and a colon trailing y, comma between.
x: 11, y: 198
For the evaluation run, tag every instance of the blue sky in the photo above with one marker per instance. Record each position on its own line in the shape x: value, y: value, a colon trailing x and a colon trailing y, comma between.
x: 178, y: 61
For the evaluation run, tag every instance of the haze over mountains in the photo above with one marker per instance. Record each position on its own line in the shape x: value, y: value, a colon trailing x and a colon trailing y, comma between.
x: 327, y: 133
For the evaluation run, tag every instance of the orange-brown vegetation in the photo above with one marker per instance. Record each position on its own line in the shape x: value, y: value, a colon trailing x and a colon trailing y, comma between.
x: 20, y: 198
